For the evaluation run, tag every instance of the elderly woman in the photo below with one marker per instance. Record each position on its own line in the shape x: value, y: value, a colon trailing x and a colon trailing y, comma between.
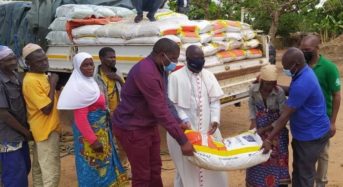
x: 97, y: 162
x: 266, y: 100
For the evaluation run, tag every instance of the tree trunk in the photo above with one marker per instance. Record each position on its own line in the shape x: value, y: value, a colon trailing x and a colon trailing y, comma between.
x: 274, y: 26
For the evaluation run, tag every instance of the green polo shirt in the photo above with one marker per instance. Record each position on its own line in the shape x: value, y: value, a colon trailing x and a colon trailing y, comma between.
x: 328, y: 76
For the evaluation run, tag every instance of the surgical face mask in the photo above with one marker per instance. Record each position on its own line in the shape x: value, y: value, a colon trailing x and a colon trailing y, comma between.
x: 288, y: 72
x: 308, y: 56
x: 171, y: 66
x: 195, y: 65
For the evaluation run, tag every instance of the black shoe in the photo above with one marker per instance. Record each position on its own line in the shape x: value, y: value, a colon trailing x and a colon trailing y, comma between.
x: 151, y: 17
x: 138, y: 18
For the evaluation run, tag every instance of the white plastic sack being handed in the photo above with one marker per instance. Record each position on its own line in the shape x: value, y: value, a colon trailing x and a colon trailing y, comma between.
x: 238, y: 152
x: 85, y: 31
x: 59, y: 24
x: 73, y: 11
x: 58, y: 38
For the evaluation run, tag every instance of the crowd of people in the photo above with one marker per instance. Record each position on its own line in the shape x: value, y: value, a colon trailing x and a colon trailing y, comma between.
x: 116, y: 120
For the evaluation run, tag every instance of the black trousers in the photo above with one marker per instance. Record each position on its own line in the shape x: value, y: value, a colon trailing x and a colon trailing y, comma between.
x: 305, y: 156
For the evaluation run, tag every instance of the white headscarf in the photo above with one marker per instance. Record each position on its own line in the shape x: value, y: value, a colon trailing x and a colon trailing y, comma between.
x: 5, y: 51
x: 80, y: 91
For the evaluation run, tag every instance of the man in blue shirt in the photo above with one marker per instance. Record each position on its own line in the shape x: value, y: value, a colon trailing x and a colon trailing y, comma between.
x: 305, y: 108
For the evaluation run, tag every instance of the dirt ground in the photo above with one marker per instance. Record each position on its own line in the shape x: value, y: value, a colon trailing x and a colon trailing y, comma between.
x: 233, y: 121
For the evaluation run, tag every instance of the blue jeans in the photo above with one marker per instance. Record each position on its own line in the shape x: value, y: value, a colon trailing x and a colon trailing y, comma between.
x: 16, y: 166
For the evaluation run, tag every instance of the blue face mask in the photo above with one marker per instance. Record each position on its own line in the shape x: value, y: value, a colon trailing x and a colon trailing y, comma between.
x: 171, y: 66
x: 288, y: 72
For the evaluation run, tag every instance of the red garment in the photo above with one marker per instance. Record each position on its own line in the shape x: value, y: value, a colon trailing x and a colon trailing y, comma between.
x: 74, y: 23
x: 144, y: 102
x: 81, y: 119
x: 143, y: 151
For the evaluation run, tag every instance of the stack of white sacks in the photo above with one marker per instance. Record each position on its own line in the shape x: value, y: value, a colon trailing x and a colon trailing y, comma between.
x: 221, y: 40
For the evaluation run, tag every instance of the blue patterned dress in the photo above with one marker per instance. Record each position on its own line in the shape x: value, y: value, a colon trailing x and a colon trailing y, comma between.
x: 98, y: 169
x: 275, y: 171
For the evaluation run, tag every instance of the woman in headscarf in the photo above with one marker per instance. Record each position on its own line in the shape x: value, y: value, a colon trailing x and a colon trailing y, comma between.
x: 266, y: 100
x: 97, y: 162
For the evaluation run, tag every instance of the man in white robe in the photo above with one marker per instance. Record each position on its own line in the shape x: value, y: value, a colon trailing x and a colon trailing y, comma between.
x: 196, y: 95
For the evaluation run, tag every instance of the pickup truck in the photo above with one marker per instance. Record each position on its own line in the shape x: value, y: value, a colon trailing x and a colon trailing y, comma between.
x: 234, y: 77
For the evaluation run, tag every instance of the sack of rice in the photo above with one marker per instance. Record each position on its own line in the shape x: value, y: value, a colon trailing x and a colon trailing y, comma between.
x: 103, y: 11
x: 238, y: 152
x: 228, y: 45
x: 193, y: 37
x: 108, y: 41
x: 219, y: 26
x: 250, y: 44
x: 200, y: 27
x: 58, y: 38
x: 184, y: 46
x: 143, y: 40
x: 170, y: 15
x: 212, y: 61
x: 233, y: 26
x: 85, y: 40
x: 231, y: 55
x: 128, y: 30
x: 209, y: 49
x: 85, y: 31
x: 169, y: 28
x: 59, y: 24
x: 176, y: 39
x: 218, y: 37
x: 122, y: 12
x: 233, y: 36
x: 74, y: 11
x: 248, y: 34
x: 254, y: 53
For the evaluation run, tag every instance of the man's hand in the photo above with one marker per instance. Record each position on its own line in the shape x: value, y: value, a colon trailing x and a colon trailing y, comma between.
x: 53, y: 79
x: 187, y: 149
x: 213, y: 128
x: 266, y: 146
x: 97, y: 147
x: 332, y: 129
x: 28, y: 135
x: 186, y: 126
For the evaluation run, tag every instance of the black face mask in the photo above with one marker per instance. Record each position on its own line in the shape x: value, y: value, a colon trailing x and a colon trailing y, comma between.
x: 195, y: 65
x: 308, y: 56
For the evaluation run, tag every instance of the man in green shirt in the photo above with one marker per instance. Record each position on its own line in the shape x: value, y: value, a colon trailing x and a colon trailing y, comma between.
x: 329, y: 80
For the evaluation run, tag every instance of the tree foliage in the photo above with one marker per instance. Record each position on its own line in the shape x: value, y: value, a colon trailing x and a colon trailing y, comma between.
x: 276, y: 17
